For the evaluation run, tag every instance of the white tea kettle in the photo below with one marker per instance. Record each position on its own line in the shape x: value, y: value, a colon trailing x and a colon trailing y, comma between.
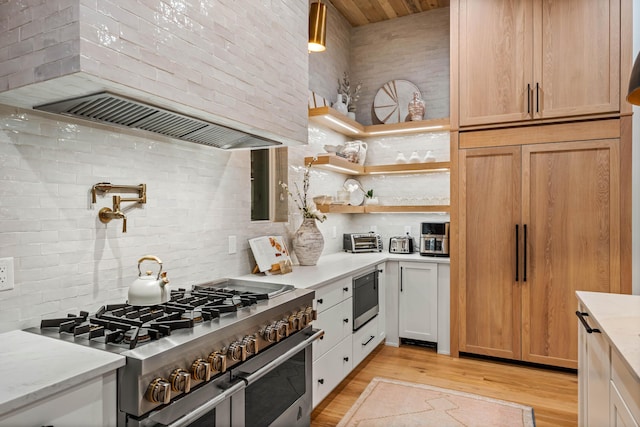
x: 148, y: 289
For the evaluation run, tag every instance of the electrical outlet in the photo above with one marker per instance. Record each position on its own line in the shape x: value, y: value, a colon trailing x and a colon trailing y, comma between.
x: 407, y: 229
x: 6, y: 274
x: 232, y: 244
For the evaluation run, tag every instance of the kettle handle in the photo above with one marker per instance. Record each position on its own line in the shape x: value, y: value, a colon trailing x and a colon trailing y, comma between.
x: 150, y: 258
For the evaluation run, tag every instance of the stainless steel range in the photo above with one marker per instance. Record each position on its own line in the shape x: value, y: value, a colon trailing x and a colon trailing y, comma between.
x: 228, y: 352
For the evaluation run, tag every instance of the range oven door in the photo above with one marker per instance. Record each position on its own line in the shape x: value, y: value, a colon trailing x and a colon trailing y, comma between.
x: 365, y: 299
x: 271, y: 388
x: 278, y: 383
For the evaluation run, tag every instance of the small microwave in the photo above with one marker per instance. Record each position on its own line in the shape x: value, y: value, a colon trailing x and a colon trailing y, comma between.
x: 362, y: 242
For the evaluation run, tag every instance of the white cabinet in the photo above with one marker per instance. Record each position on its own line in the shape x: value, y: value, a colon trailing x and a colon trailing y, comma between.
x: 332, y: 355
x: 418, y: 309
x: 90, y: 404
x: 608, y: 392
x: 593, y: 371
x: 624, y: 408
x: 341, y: 349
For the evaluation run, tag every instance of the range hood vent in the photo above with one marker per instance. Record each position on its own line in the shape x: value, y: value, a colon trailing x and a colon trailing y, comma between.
x: 114, y: 109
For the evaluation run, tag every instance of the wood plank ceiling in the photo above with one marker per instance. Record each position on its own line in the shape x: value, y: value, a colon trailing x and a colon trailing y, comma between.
x: 362, y: 12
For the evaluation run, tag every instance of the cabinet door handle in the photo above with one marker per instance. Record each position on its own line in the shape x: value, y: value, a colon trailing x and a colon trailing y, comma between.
x: 345, y: 320
x: 537, y: 97
x: 528, y: 98
x: 321, y: 380
x: 320, y: 301
x: 581, y: 315
x: 517, y: 252
x: 401, y: 278
x: 346, y: 289
x: 368, y: 341
x: 346, y: 358
x: 524, y: 255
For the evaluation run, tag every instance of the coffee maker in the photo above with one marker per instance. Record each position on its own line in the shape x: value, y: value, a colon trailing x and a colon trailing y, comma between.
x: 434, y: 239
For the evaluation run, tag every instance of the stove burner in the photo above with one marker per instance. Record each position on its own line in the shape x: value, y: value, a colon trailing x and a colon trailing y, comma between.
x: 142, y: 336
x: 125, y: 324
x: 195, y: 315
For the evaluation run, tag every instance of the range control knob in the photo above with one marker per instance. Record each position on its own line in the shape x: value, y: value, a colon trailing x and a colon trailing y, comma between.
x: 201, y: 370
x: 251, y: 344
x: 159, y: 391
x: 283, y: 329
x: 294, y: 322
x: 180, y: 380
x: 237, y: 351
x: 270, y: 333
x: 218, y: 362
x: 311, y: 313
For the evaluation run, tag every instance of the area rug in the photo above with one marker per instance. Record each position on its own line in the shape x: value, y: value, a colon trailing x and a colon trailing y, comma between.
x: 387, y: 402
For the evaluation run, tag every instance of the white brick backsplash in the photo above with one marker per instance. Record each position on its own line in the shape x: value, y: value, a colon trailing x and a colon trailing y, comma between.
x: 197, y: 197
x: 248, y: 52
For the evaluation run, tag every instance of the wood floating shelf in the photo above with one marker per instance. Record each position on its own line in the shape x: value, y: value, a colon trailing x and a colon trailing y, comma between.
x: 338, y: 164
x: 332, y: 119
x: 383, y: 209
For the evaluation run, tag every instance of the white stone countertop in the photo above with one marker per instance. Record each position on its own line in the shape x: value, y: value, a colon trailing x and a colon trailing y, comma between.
x: 335, y: 266
x: 618, y: 318
x: 35, y: 367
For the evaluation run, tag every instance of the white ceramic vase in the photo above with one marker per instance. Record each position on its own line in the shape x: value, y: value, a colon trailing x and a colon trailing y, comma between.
x: 339, y: 105
x: 308, y: 242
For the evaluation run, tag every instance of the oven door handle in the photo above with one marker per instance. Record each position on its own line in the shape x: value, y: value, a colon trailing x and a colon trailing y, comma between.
x: 255, y: 376
x: 211, y: 404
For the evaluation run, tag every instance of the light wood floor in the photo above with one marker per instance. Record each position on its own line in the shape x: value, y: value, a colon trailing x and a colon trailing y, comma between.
x: 552, y: 394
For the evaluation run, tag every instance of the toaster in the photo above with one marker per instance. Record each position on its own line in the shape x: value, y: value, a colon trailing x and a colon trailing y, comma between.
x: 401, y: 245
x: 362, y: 242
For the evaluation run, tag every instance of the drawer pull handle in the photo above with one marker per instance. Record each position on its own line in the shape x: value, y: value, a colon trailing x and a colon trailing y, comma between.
x: 346, y: 289
x: 321, y: 380
x: 320, y: 301
x: 368, y: 341
x: 345, y: 320
x: 588, y: 328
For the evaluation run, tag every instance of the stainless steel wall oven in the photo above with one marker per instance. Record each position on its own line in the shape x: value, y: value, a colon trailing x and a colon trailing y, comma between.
x: 365, y: 298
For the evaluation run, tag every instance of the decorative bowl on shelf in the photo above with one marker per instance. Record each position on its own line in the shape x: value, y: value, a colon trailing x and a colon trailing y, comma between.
x: 323, y: 200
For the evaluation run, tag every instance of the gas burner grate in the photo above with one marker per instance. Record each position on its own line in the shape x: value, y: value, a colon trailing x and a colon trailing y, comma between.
x: 129, y: 325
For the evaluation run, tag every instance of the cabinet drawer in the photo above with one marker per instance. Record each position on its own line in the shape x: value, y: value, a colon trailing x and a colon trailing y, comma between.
x: 326, y: 372
x: 365, y: 339
x: 92, y: 403
x: 336, y: 322
x: 626, y: 384
x: 332, y: 294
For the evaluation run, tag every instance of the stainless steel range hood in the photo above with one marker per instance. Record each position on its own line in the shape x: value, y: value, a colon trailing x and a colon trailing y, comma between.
x: 113, y: 109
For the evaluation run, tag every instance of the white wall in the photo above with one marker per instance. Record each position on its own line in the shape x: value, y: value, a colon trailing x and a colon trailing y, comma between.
x: 66, y: 259
x: 230, y: 62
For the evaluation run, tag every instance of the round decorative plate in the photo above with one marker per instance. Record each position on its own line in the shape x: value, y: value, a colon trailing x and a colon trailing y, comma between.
x: 356, y: 193
x: 391, y: 104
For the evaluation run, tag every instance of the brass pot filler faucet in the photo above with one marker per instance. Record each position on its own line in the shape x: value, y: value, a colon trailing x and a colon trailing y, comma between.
x: 107, y: 214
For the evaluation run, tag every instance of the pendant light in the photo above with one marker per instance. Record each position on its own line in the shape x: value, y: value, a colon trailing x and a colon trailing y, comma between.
x: 317, y: 27
x: 634, y: 83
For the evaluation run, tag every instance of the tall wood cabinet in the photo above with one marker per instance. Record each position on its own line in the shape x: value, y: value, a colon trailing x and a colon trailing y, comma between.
x: 537, y: 59
x: 536, y: 223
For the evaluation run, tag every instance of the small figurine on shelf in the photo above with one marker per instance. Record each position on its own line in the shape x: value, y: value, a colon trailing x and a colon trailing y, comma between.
x: 416, y: 107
